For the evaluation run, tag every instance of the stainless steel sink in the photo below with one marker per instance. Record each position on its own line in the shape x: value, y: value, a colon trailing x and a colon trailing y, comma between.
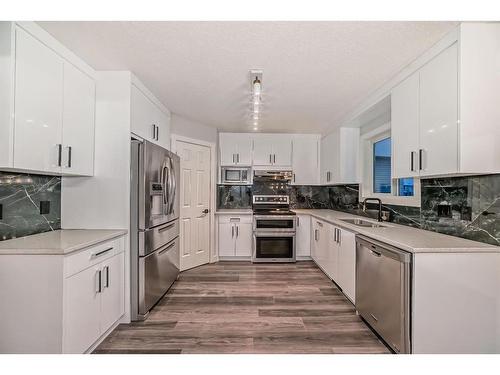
x: 363, y: 223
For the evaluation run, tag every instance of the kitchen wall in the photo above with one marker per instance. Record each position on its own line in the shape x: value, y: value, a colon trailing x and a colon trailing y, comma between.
x: 20, y: 198
x: 467, y: 207
x: 193, y: 129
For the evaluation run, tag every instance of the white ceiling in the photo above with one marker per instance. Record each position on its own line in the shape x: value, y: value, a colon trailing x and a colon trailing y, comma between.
x: 314, y: 72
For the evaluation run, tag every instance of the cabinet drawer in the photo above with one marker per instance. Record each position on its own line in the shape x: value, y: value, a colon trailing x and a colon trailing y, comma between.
x: 91, y: 256
x: 242, y: 219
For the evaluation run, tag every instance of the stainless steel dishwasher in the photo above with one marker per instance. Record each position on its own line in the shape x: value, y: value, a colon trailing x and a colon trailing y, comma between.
x: 383, y: 291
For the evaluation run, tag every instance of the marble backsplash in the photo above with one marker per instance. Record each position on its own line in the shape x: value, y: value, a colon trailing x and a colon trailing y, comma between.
x: 30, y: 204
x: 467, y: 207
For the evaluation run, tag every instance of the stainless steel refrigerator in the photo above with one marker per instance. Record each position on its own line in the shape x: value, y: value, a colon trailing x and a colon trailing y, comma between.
x: 154, y: 220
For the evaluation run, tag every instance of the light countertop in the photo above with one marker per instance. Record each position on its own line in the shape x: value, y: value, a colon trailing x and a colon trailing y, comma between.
x: 406, y: 238
x: 59, y: 242
x: 234, y: 211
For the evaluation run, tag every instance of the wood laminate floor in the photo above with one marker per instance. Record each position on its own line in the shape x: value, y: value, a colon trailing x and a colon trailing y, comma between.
x: 240, y: 307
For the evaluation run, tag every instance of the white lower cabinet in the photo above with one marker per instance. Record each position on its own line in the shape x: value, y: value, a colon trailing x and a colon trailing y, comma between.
x: 334, y: 251
x: 346, y: 276
x: 94, y: 296
x: 235, y: 235
x: 303, y: 236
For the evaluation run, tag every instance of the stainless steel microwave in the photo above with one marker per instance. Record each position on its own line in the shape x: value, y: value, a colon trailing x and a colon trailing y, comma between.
x: 236, y: 175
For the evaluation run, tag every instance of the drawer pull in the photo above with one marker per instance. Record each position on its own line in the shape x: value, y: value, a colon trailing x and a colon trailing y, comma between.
x: 95, y: 255
x: 376, y: 253
x: 166, y: 228
x: 167, y: 248
x: 374, y: 317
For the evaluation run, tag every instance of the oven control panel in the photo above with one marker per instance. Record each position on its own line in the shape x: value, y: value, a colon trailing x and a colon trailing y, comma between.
x: 271, y: 199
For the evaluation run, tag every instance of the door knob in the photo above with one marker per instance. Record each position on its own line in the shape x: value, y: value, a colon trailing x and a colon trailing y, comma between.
x: 205, y: 211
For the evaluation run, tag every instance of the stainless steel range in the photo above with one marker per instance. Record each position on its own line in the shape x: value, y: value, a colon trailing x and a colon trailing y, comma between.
x: 274, y: 228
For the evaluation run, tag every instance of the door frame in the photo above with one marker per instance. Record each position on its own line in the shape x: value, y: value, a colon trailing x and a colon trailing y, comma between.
x: 213, y: 181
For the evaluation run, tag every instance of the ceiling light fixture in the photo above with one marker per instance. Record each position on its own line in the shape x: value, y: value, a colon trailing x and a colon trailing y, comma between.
x: 256, y: 98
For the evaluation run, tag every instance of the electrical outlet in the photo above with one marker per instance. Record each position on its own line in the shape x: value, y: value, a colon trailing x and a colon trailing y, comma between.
x: 44, y: 207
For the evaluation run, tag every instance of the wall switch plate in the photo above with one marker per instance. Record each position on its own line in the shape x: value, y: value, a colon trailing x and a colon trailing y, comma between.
x: 44, y: 207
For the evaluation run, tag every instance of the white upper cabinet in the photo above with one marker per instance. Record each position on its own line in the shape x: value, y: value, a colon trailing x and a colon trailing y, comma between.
x: 339, y: 157
x: 235, y: 149
x: 305, y: 159
x: 48, y: 108
x: 78, y: 122
x: 148, y: 120
x: 451, y: 102
x: 272, y: 150
x: 404, y: 127
x: 38, y: 105
x: 438, y: 114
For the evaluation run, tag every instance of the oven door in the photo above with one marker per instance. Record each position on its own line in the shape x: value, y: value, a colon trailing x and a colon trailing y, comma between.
x: 273, y: 247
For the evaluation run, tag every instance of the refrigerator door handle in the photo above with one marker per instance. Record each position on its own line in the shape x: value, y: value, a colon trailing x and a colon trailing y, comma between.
x: 172, y: 187
x: 164, y: 183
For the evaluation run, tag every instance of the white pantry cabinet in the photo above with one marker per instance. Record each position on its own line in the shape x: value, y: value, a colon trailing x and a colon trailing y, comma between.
x: 235, y: 235
x: 48, y: 101
x: 339, y: 157
x: 235, y: 149
x: 272, y: 150
x: 305, y: 159
x: 303, y: 236
x: 150, y: 120
x: 450, y: 100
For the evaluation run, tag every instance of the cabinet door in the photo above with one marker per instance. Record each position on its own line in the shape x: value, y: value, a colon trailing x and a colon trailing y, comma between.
x: 305, y: 161
x: 346, y: 155
x: 332, y: 252
x: 347, y: 264
x: 143, y: 115
x: 263, y: 149
x: 243, y: 144
x: 226, y: 239
x: 327, y: 158
x: 244, y: 239
x: 163, y: 123
x: 228, y: 144
x: 405, y: 127
x: 38, y: 105
x: 321, y: 244
x: 82, y: 309
x: 282, y: 150
x: 78, y: 122
x: 439, y: 114
x: 314, y: 239
x: 112, y: 302
x: 303, y: 235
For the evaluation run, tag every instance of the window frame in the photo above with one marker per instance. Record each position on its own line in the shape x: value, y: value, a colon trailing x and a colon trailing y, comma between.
x: 367, y: 141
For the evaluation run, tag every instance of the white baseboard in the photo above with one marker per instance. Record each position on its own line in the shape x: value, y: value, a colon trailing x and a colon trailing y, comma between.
x: 104, y: 335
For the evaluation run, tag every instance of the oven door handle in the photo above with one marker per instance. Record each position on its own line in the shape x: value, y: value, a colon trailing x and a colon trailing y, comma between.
x: 273, y: 234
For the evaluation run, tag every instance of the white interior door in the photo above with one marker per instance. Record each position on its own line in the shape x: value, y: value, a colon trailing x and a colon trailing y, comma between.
x: 195, y: 202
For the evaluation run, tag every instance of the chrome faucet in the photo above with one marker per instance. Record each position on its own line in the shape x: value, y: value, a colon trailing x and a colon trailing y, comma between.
x: 379, y: 216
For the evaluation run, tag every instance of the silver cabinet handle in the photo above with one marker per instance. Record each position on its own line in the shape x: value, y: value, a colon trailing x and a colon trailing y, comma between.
x: 237, y: 231
x: 107, y: 276
x: 320, y: 224
x: 374, y: 318
x: 412, y: 162
x: 98, y: 254
x: 154, y: 131
x: 376, y: 253
x: 232, y: 231
x: 316, y: 235
x: 59, y: 154
x: 420, y: 159
x: 274, y: 158
x: 270, y: 159
x: 298, y: 221
x: 238, y: 158
x: 69, y: 156
x: 294, y: 177
x: 157, y: 133
x: 339, y: 237
x: 98, y: 275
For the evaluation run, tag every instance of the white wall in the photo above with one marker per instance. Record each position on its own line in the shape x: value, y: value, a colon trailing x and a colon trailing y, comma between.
x: 193, y: 129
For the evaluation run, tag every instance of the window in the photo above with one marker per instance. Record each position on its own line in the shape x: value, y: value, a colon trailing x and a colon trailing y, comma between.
x: 382, y: 166
x: 377, y: 171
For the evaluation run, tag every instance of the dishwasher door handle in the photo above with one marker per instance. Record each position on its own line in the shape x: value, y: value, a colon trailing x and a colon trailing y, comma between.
x: 376, y: 253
